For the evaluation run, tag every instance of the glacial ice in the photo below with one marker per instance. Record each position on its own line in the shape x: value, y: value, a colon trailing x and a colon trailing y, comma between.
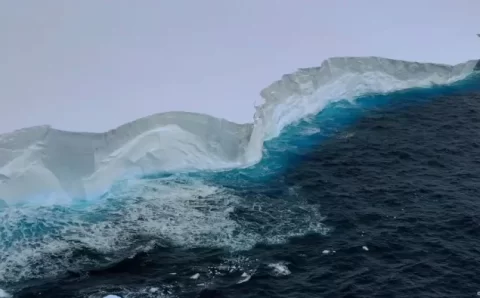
x: 46, y: 165
x: 53, y: 165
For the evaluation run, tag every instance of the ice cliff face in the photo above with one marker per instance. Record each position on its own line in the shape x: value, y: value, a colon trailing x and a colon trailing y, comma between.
x: 51, y: 164
x: 309, y: 90
x: 477, y: 66
x: 42, y: 163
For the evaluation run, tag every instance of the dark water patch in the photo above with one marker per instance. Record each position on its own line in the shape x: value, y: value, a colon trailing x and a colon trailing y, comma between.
x: 404, y: 185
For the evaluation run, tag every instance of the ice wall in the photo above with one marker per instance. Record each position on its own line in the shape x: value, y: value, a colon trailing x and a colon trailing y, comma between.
x: 54, y: 165
x: 50, y: 165
x: 308, y: 90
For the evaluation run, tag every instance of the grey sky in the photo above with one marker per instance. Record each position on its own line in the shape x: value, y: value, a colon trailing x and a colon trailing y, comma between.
x: 92, y: 65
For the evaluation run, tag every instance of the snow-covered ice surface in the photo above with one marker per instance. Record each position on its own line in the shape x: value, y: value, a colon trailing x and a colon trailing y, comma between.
x: 59, y: 166
x: 43, y: 165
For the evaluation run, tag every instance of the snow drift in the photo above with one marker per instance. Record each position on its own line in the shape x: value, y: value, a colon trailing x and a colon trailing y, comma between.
x: 50, y: 165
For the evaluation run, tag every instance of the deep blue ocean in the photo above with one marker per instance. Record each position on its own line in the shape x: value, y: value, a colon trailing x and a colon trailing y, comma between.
x: 379, y: 197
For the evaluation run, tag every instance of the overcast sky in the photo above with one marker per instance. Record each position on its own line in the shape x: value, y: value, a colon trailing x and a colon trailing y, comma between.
x: 92, y: 65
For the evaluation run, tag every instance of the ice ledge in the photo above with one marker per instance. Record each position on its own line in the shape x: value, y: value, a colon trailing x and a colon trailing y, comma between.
x: 306, y: 81
x: 45, y: 162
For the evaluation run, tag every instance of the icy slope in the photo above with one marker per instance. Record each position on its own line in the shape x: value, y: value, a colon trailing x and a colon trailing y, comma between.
x: 52, y: 165
x: 46, y: 165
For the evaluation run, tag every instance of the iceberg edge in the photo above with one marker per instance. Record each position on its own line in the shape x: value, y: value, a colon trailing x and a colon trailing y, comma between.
x: 59, y: 166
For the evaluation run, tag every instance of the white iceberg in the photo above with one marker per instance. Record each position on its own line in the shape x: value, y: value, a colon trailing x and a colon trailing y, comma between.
x: 46, y: 165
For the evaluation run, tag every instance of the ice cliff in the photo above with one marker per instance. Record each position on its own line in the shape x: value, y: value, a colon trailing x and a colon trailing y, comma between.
x: 42, y: 163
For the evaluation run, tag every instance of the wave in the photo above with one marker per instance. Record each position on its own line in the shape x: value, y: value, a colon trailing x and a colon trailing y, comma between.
x: 59, y: 166
x: 142, y: 215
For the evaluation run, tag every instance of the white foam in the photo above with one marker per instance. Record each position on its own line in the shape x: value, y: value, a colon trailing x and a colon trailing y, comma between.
x: 4, y: 294
x: 186, y: 213
x: 195, y: 276
x: 163, y: 292
x: 58, y: 166
x: 153, y: 290
x: 245, y: 277
x: 134, y: 218
x: 279, y: 269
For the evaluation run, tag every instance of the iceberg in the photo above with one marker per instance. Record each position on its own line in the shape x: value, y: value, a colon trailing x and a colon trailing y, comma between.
x: 58, y: 165
x: 51, y: 166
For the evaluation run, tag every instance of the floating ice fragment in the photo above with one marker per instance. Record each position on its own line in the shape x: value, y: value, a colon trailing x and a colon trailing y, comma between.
x: 195, y: 276
x: 245, y: 277
x: 173, y: 273
x: 279, y: 269
x: 153, y: 290
x: 109, y: 296
x: 326, y: 252
x: 365, y: 248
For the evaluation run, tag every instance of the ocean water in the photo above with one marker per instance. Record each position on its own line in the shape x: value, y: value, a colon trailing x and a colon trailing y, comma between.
x: 373, y: 198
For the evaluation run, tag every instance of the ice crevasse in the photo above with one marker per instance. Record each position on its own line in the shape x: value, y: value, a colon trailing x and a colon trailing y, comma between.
x: 55, y: 166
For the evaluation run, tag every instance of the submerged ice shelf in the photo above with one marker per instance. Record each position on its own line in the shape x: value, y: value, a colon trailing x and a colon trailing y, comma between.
x: 49, y: 165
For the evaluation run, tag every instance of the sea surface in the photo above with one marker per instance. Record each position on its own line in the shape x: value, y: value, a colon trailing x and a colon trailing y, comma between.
x: 379, y: 197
